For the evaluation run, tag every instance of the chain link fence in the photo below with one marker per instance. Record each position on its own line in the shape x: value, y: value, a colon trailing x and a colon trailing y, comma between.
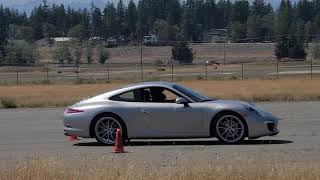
x: 133, y: 72
x: 236, y: 61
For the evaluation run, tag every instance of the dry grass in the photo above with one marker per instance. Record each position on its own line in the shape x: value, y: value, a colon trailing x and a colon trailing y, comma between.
x: 43, y: 169
x: 235, y: 52
x: 249, y: 90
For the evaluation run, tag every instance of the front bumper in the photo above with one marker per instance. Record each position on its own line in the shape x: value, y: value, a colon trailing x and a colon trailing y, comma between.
x: 272, y: 127
x: 262, y: 125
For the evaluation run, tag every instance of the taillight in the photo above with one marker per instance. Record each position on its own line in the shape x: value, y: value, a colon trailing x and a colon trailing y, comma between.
x: 73, y: 111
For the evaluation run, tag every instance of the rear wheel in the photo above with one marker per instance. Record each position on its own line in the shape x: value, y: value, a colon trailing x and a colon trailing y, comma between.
x: 230, y: 129
x: 105, y: 130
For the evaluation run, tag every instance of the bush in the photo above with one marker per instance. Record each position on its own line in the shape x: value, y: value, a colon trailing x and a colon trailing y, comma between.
x: 290, y: 47
x: 62, y: 53
x: 20, y: 52
x: 314, y: 50
x: 104, y: 55
x: 182, y: 52
x: 8, y: 103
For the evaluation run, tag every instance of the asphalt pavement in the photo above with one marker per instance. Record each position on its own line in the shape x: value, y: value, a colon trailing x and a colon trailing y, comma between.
x: 25, y: 133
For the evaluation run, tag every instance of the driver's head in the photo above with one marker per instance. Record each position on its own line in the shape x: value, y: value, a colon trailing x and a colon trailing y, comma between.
x: 157, y: 95
x: 156, y: 90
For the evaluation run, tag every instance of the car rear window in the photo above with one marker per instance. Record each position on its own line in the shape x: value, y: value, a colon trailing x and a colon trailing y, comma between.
x: 129, y: 96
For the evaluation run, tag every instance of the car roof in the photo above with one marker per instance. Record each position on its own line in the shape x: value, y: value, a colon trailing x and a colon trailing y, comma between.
x: 109, y: 94
x: 155, y: 83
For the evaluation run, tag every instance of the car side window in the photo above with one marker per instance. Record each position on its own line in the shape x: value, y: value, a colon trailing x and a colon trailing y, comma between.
x: 159, y: 95
x: 130, y: 96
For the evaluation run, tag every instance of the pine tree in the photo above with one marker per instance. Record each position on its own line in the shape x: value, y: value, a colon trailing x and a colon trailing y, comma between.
x: 189, y: 21
x: 210, y: 11
x: 121, y: 25
x: 96, y: 22
x: 260, y: 8
x: 224, y: 11
x: 37, y: 21
x: 85, y: 22
x: 3, y: 33
x: 144, y: 18
x: 132, y: 17
x: 240, y: 11
x: 285, y: 15
x: 109, y: 20
x: 174, y: 12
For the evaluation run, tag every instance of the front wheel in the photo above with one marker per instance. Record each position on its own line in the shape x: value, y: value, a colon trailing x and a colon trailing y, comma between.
x: 230, y: 129
x: 105, y: 130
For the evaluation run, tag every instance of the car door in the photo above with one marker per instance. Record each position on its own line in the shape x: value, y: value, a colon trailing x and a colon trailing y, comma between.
x: 168, y: 119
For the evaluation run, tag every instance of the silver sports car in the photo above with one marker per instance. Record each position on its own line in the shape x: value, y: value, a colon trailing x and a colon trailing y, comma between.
x: 166, y: 110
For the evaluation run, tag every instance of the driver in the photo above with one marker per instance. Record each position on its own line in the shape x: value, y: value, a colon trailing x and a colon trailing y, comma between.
x: 157, y: 95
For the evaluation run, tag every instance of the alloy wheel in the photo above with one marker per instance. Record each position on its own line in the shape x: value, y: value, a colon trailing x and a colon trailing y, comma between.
x: 105, y: 130
x: 230, y: 129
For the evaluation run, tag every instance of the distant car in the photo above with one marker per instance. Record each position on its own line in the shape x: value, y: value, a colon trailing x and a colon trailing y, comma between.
x: 212, y: 63
x: 166, y: 110
x: 111, y: 42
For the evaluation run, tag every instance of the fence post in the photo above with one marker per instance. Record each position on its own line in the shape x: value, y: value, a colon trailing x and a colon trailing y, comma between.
x: 77, y: 70
x: 171, y: 69
x: 277, y: 68
x: 17, y: 76
x: 206, y: 69
x: 311, y: 66
x: 108, y: 71
x: 224, y: 52
x: 242, y: 71
x: 141, y: 61
x: 47, y: 72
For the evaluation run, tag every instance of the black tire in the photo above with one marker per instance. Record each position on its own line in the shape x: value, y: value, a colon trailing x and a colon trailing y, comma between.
x: 119, y: 122
x: 234, y: 128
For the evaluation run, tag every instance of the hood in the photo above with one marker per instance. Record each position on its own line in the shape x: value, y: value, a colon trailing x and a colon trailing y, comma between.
x: 232, y: 102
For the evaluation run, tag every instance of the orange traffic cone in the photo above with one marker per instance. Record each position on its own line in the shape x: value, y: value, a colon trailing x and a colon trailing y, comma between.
x: 72, y: 138
x: 118, y: 147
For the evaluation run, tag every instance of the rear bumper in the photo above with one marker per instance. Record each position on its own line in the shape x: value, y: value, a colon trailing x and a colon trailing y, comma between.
x: 68, y: 131
x: 77, y: 124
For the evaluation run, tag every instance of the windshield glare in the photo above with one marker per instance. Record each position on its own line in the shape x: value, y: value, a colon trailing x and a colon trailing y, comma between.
x: 191, y: 94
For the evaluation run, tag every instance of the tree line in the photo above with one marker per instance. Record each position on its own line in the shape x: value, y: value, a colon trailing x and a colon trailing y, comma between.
x: 171, y: 20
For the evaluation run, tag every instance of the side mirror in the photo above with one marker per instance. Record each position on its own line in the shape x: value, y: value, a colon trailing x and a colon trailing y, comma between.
x: 183, y: 101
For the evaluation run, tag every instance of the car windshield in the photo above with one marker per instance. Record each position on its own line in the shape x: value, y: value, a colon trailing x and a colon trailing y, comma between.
x: 192, y: 94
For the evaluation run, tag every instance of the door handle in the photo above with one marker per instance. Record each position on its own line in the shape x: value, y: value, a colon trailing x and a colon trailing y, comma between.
x: 145, y: 111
